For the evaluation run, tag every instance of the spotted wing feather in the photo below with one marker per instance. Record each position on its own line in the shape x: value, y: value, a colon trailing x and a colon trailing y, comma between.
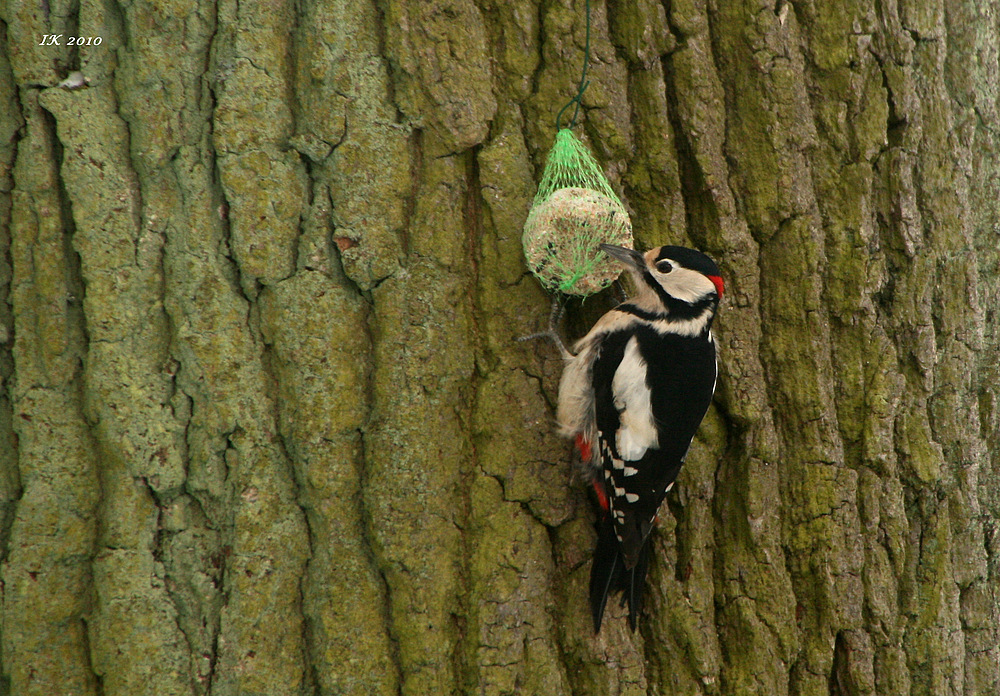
x: 626, y: 434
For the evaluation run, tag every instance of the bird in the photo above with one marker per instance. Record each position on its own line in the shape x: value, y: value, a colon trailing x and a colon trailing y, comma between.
x: 632, y: 394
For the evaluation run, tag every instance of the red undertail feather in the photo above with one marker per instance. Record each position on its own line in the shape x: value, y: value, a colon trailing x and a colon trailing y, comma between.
x: 602, y: 496
x: 585, y: 454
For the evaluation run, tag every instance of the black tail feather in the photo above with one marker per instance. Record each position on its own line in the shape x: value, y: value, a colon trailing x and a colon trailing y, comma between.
x: 609, y: 575
x: 604, y: 575
x: 637, y: 584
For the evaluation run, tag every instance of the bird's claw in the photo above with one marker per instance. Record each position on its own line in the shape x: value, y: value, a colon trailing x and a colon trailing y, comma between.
x: 552, y: 331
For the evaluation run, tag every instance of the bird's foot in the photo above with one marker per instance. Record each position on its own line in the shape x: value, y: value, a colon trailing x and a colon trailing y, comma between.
x: 552, y: 332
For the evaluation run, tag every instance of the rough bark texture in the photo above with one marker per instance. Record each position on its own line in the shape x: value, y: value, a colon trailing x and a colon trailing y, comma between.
x: 264, y: 427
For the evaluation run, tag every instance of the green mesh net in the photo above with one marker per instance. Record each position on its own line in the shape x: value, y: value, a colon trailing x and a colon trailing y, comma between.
x: 574, y: 212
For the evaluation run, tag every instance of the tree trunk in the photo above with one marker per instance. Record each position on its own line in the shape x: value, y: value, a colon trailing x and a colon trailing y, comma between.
x: 265, y: 427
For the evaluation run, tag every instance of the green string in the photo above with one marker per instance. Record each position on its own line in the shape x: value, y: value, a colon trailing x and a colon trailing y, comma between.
x: 563, y: 252
x: 583, y: 80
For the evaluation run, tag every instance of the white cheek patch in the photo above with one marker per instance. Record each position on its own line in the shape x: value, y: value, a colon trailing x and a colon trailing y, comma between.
x: 684, y: 284
x: 637, y: 432
x: 683, y: 327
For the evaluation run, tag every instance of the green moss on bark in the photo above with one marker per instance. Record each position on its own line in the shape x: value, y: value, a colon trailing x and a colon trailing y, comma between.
x: 265, y: 427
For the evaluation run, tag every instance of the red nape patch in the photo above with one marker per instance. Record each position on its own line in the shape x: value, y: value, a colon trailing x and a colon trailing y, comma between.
x: 602, y: 497
x: 584, y: 447
x: 719, y: 285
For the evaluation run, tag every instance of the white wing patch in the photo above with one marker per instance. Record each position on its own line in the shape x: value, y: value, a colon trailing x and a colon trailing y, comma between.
x: 637, y: 432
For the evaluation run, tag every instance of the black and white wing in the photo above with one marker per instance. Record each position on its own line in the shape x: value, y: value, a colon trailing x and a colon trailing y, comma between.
x: 627, y: 440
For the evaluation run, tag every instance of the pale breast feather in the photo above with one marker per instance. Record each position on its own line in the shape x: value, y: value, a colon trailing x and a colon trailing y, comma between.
x: 576, y: 413
x: 576, y: 394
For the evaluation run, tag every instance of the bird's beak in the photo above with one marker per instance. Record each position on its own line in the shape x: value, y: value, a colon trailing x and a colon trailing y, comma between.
x: 628, y: 257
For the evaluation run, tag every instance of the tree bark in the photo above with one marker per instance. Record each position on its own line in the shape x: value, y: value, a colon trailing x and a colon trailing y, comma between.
x: 264, y: 424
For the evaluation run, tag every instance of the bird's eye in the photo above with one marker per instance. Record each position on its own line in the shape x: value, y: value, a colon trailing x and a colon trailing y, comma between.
x: 664, y: 266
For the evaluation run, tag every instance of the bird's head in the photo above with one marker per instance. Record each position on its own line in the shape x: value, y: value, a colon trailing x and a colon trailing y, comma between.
x: 673, y: 279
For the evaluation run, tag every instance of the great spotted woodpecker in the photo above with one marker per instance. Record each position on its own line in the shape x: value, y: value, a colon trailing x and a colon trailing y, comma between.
x: 633, y: 394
